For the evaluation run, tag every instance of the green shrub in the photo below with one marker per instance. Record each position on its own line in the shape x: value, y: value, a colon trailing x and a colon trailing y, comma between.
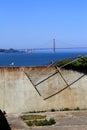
x: 52, y: 121
x: 52, y: 110
x: 38, y: 120
x: 45, y: 122
x: 65, y: 109
x: 41, y: 123
x: 77, y: 108
x: 30, y: 123
x: 79, y: 64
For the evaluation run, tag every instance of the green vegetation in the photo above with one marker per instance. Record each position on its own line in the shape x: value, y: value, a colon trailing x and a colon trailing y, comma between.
x: 37, y: 111
x: 77, y: 108
x: 32, y: 117
x: 79, y: 64
x: 63, y: 62
x: 37, y: 120
x: 65, y: 109
x: 68, y: 109
x: 52, y: 110
x: 45, y: 122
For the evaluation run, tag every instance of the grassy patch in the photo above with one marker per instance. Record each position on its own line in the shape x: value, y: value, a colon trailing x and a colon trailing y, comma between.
x: 37, y: 120
x: 32, y: 117
x: 45, y: 122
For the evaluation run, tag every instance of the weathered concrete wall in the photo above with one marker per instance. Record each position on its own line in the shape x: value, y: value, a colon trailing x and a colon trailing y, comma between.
x: 24, y: 89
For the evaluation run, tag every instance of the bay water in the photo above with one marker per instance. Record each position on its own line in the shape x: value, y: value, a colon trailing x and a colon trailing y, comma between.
x: 35, y: 59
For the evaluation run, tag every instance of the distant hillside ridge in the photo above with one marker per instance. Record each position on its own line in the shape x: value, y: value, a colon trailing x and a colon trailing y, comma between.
x: 11, y: 50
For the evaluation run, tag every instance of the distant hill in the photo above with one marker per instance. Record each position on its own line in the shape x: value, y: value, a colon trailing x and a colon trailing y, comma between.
x: 11, y: 50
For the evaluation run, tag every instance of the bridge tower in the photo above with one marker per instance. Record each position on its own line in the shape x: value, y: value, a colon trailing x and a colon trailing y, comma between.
x: 53, y: 45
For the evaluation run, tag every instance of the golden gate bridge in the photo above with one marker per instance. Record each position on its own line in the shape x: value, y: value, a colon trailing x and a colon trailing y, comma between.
x: 53, y: 48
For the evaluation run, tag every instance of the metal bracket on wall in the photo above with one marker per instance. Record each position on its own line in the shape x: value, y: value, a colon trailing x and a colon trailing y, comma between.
x: 32, y: 83
x: 64, y: 88
x: 61, y: 75
x: 46, y: 79
x: 57, y: 71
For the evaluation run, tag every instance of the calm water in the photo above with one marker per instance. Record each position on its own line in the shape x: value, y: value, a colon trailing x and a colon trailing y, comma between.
x: 35, y: 59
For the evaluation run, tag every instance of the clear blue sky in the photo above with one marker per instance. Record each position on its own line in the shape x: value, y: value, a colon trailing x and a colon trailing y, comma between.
x: 34, y: 23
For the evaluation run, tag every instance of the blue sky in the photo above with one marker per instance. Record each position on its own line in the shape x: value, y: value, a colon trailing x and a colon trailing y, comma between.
x: 34, y: 23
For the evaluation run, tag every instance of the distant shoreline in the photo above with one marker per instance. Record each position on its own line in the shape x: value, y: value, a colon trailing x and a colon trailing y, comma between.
x: 8, y: 50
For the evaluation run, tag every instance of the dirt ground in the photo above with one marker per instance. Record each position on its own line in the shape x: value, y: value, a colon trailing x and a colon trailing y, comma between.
x: 65, y: 120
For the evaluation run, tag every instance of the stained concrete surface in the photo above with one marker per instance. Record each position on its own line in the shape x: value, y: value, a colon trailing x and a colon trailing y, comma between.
x: 19, y: 89
x: 65, y: 120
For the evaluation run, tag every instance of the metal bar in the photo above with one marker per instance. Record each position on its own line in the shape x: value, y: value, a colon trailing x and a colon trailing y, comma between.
x: 46, y: 78
x: 72, y: 61
x: 64, y: 88
x: 32, y: 83
x: 61, y: 75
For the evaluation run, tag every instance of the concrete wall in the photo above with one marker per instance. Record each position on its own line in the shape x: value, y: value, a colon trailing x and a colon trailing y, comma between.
x: 24, y: 89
